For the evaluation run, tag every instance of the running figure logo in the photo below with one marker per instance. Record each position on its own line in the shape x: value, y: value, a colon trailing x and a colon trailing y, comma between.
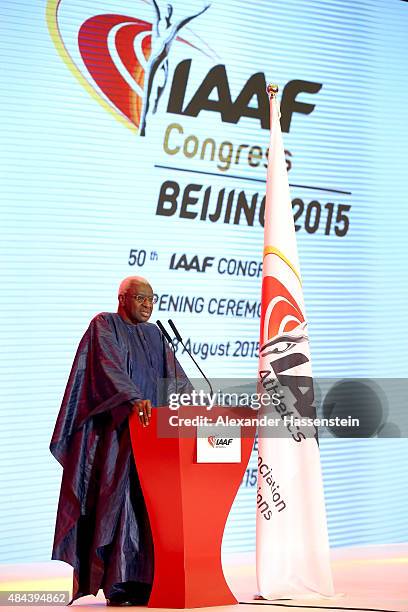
x: 164, y: 31
x: 122, y: 59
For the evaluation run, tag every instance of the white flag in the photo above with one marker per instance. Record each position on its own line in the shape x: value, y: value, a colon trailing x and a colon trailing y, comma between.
x: 292, y: 550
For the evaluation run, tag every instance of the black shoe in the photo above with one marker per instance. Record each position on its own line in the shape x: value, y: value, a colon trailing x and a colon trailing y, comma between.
x: 126, y: 594
x: 141, y: 599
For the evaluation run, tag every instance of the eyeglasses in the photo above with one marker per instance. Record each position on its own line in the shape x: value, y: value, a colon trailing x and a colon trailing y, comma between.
x: 140, y: 298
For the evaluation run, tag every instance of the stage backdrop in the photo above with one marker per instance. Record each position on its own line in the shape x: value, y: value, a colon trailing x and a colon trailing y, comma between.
x: 87, y: 199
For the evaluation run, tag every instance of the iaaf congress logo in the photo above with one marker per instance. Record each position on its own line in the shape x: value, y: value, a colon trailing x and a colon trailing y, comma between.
x: 122, y: 59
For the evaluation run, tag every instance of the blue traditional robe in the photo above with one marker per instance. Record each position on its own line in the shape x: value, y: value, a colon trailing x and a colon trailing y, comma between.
x: 102, y: 529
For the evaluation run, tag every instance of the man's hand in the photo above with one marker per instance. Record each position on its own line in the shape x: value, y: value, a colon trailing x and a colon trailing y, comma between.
x: 144, y: 410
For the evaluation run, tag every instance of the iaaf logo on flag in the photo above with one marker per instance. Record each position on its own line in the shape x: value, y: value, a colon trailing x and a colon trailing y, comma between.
x: 217, y: 442
x: 122, y: 59
x: 284, y: 352
x: 282, y: 313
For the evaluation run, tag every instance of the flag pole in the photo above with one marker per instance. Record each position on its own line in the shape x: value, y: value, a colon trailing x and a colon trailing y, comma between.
x: 272, y: 89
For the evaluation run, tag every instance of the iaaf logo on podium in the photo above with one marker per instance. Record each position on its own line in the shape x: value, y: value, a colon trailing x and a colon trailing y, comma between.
x: 216, y: 442
x: 122, y: 60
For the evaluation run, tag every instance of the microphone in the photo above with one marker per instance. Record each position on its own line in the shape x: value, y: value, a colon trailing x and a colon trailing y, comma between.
x: 165, y: 333
x: 180, y: 339
x: 170, y: 341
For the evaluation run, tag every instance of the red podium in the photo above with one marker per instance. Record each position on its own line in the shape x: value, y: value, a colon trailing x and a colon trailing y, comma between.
x: 188, y: 505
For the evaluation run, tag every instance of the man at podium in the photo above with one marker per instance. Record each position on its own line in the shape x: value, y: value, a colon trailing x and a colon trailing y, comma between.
x: 102, y: 529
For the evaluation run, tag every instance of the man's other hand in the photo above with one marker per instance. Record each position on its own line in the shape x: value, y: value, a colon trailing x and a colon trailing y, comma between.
x: 144, y: 410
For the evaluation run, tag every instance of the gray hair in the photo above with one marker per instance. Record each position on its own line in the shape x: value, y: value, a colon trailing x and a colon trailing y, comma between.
x: 130, y: 280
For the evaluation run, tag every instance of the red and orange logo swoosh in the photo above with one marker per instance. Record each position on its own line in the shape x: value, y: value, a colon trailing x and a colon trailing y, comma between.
x: 114, y: 49
x: 94, y: 42
x: 280, y: 311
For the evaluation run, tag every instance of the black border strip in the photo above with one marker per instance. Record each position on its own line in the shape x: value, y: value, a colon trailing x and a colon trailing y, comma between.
x: 246, y: 178
x: 265, y: 603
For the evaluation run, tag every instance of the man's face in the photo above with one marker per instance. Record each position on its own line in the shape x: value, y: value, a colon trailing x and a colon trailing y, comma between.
x: 136, y: 309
